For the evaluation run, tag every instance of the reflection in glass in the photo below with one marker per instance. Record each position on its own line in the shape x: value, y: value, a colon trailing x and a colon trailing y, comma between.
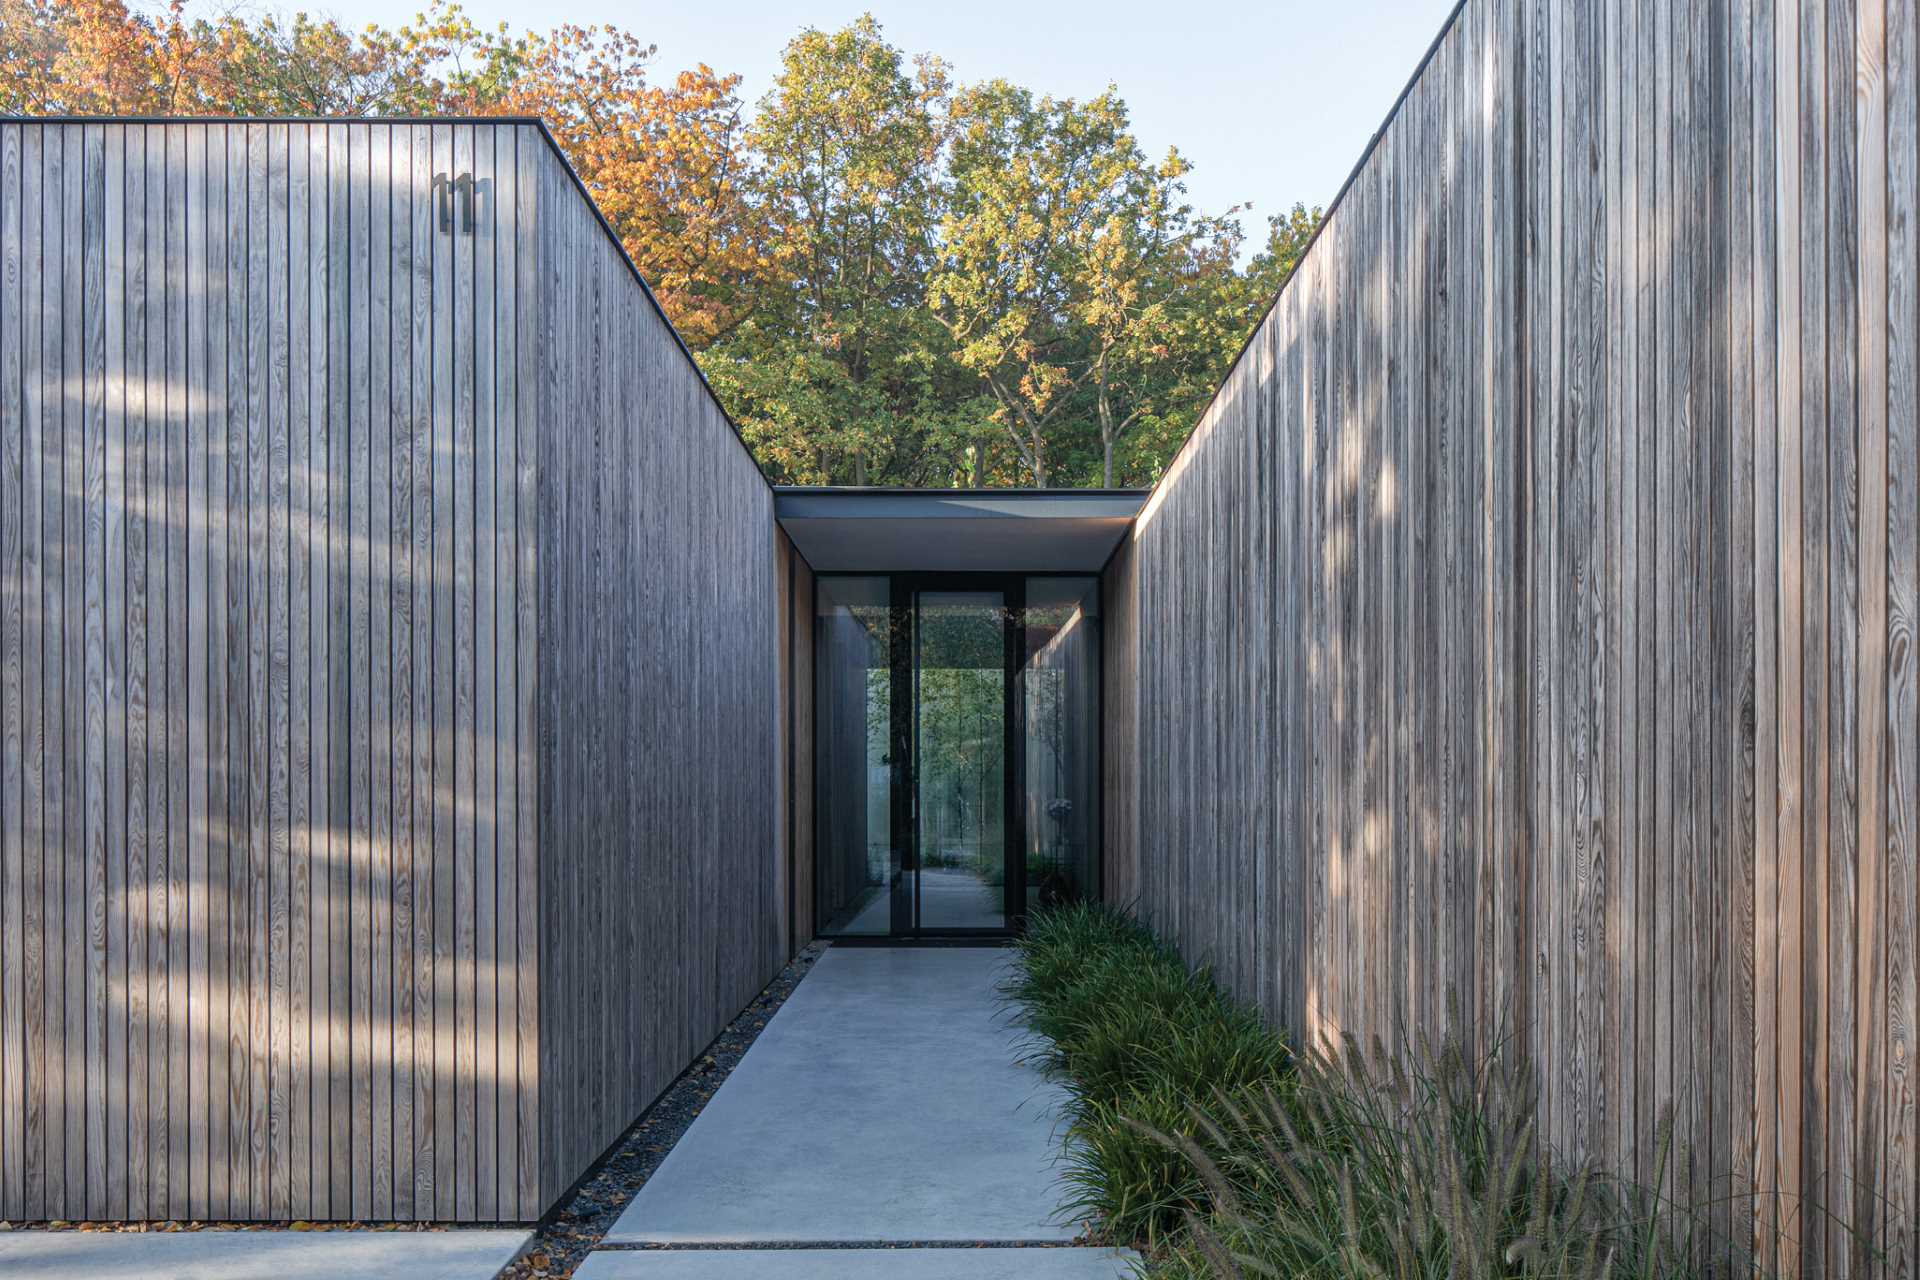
x: 956, y: 752
x: 1060, y: 714
x: 856, y: 871
x: 960, y: 710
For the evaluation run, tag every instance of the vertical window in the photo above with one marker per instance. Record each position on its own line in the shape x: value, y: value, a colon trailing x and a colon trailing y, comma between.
x: 1060, y: 727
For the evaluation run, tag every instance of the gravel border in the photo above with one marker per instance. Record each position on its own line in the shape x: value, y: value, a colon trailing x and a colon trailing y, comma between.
x: 578, y: 1223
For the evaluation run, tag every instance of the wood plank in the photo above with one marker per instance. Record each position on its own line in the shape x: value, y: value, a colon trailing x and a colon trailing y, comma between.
x: 1841, y: 287
x: 14, y: 586
x: 486, y: 968
x: 75, y: 850
x: 501, y: 211
x: 446, y: 319
x: 179, y: 590
x: 528, y: 322
x: 425, y: 742
x: 279, y: 726
x: 1817, y: 783
x: 1903, y: 565
x: 197, y: 424
x: 461, y: 709
x: 1768, y: 680
x: 1618, y: 1138
x: 1642, y: 368
x: 306, y: 311
x: 113, y: 1111
x: 1862, y: 1204
x: 35, y: 545
x: 91, y: 369
x: 256, y: 462
x: 356, y: 747
x: 318, y: 755
x: 333, y: 661
x: 406, y: 309
x: 383, y: 372
x: 1737, y: 935
x: 226, y: 813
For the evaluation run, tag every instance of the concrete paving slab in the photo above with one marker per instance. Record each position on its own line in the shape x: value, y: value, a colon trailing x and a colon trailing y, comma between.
x: 855, y: 1264
x: 256, y: 1255
x: 885, y: 1102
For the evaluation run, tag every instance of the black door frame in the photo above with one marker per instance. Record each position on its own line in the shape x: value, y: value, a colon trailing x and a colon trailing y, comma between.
x: 902, y: 619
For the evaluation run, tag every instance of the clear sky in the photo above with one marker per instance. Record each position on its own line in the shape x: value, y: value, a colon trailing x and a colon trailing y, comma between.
x: 1272, y: 100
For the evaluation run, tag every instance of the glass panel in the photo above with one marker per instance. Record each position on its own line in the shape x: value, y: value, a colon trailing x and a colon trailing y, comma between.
x: 1060, y: 714
x: 960, y: 689
x: 857, y: 873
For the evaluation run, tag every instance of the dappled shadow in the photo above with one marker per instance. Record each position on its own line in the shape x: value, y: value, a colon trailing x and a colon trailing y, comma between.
x: 1452, y: 610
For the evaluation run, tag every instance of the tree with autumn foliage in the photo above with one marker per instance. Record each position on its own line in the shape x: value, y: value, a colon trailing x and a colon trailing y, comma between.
x: 103, y: 57
x: 888, y: 277
x: 666, y: 164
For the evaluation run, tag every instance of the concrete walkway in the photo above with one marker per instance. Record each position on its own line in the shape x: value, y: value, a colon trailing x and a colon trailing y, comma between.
x: 256, y: 1255
x: 884, y: 1104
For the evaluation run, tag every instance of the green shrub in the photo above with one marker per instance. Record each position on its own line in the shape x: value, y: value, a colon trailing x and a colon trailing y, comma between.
x: 1135, y: 1037
x: 1413, y: 1165
x: 1193, y: 1132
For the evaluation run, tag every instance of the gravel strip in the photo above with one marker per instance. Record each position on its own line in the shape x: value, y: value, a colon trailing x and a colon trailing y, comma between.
x: 578, y: 1222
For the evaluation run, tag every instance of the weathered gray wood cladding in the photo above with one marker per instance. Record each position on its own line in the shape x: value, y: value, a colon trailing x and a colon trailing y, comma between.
x: 659, y: 666
x: 381, y: 601
x: 1524, y: 638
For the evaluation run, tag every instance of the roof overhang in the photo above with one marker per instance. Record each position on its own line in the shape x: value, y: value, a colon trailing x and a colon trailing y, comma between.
x: 956, y: 530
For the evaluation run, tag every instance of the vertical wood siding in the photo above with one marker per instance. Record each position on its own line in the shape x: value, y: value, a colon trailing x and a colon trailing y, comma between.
x: 659, y: 686
x: 1524, y: 637
x: 304, y: 528
x: 230, y: 980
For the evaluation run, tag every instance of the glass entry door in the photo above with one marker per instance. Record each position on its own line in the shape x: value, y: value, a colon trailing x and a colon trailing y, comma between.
x: 956, y: 751
x: 957, y: 780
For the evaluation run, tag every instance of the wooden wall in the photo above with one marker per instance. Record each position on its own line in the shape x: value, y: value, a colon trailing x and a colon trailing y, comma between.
x: 660, y: 817
x: 796, y: 744
x: 1120, y: 844
x: 1525, y: 636
x: 276, y: 784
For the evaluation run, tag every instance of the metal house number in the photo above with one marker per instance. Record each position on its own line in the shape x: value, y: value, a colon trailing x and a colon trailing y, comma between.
x: 447, y: 191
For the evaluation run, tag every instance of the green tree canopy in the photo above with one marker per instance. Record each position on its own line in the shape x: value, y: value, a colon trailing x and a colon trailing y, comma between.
x: 888, y: 276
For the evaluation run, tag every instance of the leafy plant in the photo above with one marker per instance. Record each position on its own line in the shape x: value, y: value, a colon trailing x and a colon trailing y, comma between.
x: 1195, y: 1133
x: 1412, y: 1165
x: 1134, y: 1036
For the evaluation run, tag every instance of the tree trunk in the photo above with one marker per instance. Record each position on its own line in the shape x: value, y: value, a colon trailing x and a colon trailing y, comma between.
x: 1106, y: 424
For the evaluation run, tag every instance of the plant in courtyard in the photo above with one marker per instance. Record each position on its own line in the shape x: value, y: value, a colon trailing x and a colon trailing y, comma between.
x: 1135, y: 1037
x: 1409, y: 1165
x: 1195, y: 1133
